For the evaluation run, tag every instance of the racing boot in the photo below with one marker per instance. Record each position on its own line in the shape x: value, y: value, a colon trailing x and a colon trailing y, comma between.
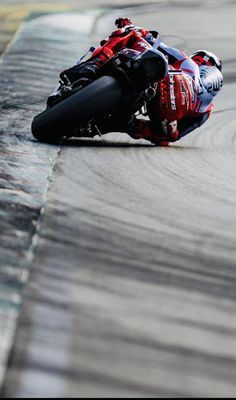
x: 86, y: 70
x: 143, y: 129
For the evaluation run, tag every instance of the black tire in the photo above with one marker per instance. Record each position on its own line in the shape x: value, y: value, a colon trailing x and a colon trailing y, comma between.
x: 99, y: 97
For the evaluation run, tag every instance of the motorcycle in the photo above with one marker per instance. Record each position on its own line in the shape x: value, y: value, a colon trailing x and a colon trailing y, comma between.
x: 122, y: 87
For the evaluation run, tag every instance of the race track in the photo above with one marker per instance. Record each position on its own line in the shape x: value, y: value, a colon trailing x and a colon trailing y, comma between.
x: 132, y: 290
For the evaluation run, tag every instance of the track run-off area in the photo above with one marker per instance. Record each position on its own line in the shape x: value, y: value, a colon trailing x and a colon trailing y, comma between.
x: 118, y: 258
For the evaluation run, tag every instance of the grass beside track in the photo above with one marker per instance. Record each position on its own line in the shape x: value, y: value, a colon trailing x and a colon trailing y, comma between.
x: 13, y: 14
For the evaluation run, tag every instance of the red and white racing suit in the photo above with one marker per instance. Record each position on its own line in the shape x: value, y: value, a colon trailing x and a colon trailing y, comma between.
x: 184, y: 100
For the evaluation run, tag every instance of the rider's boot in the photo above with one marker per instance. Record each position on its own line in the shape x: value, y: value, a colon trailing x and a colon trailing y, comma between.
x: 142, y: 129
x: 86, y: 70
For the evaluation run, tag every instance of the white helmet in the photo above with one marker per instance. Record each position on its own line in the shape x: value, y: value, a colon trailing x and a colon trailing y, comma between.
x: 204, y: 57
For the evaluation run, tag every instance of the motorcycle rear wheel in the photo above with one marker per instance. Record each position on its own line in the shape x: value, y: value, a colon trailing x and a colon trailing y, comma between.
x: 99, y: 97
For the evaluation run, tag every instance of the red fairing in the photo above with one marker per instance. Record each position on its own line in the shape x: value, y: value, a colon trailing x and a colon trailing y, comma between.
x: 119, y: 39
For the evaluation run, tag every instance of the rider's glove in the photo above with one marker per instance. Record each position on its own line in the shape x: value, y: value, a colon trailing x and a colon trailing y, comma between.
x: 150, y: 39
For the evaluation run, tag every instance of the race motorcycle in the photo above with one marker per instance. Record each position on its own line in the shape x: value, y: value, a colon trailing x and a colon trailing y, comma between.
x: 122, y: 87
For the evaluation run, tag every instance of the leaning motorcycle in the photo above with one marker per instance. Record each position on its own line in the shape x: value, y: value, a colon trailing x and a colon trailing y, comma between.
x: 122, y: 87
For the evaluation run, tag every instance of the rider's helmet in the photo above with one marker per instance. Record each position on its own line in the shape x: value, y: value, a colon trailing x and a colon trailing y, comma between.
x: 210, y: 67
x: 204, y: 57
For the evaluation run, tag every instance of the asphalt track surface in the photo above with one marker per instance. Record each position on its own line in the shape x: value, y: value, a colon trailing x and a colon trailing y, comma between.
x: 132, y: 288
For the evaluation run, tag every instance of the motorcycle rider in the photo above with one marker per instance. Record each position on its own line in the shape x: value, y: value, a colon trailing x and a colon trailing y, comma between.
x: 185, y: 94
